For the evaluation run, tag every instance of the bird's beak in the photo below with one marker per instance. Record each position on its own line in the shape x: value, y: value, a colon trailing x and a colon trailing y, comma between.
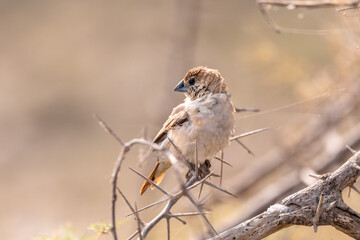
x: 180, y: 87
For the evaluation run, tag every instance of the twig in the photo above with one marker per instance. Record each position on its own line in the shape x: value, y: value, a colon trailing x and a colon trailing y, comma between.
x: 309, y: 3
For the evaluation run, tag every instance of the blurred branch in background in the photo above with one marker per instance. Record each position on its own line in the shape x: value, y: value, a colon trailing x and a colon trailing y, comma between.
x: 265, y: 5
x: 312, y: 136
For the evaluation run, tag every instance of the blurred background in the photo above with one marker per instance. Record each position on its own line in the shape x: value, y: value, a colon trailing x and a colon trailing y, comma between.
x: 62, y: 61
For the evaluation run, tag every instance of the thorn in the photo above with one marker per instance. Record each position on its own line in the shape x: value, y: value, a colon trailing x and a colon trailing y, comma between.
x: 196, y: 160
x: 133, y: 235
x: 127, y: 202
x: 221, y: 166
x: 215, y: 175
x: 139, y: 223
x: 245, y: 147
x: 152, y: 183
x: 184, y: 160
x: 201, y: 212
x: 318, y: 212
x: 106, y: 127
x: 202, y: 180
x: 168, y: 228
x: 201, y: 188
x: 350, y: 149
x: 355, y: 189
x: 316, y: 176
x: 176, y: 217
x: 188, y: 214
x: 357, y: 166
x: 221, y: 160
x: 220, y: 189
x: 149, y: 206
x: 247, y: 110
x: 249, y: 133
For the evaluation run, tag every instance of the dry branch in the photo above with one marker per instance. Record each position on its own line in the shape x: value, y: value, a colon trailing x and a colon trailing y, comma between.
x: 310, y: 4
x: 292, y: 182
x: 305, y: 208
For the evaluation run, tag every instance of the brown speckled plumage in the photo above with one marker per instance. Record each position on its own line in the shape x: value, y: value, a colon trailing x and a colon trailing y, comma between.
x: 205, y: 119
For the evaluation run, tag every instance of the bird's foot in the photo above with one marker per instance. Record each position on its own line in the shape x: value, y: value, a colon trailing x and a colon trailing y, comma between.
x: 203, y: 170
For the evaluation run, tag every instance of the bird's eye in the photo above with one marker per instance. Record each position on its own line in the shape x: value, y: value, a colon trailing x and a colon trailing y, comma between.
x: 191, y: 81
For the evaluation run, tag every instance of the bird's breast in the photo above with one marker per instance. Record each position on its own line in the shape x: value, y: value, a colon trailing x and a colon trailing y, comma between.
x: 209, y: 128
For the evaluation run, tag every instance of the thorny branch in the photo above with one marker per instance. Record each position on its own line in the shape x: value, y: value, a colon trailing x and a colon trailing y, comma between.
x: 193, y: 181
x: 318, y: 204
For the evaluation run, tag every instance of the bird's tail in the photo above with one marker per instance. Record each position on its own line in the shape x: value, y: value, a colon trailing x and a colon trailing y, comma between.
x: 156, y: 176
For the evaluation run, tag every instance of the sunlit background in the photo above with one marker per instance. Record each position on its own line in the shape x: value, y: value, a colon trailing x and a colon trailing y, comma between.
x: 62, y: 61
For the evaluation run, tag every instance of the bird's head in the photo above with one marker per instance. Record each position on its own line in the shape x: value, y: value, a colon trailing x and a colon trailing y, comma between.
x: 201, y: 81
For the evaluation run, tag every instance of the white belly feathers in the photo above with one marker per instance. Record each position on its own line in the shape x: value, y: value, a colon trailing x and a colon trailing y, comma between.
x: 210, y: 126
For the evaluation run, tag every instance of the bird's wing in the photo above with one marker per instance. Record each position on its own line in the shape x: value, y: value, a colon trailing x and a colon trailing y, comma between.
x: 177, y: 117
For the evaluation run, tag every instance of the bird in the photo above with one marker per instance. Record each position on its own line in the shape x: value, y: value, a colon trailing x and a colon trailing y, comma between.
x: 198, y: 128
